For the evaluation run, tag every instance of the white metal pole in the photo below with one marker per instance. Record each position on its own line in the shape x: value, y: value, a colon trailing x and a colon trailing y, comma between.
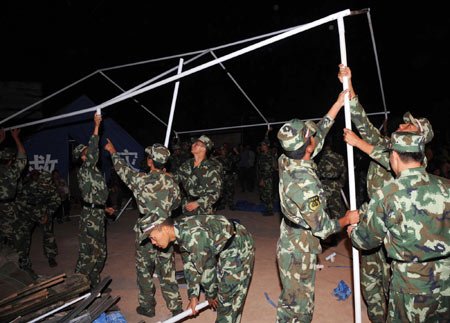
x: 172, y: 107
x: 60, y: 308
x: 351, y: 174
x: 184, y: 314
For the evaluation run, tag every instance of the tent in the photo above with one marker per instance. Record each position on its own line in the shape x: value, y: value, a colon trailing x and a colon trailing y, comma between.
x: 49, y: 148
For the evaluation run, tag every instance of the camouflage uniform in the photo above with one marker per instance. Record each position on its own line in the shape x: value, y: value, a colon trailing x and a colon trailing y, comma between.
x: 266, y: 162
x: 223, y: 270
x: 332, y: 173
x: 228, y: 189
x: 37, y: 202
x: 375, y: 269
x: 409, y: 216
x: 202, y: 183
x: 155, y: 193
x: 94, y: 191
x: 9, y: 178
x: 305, y: 220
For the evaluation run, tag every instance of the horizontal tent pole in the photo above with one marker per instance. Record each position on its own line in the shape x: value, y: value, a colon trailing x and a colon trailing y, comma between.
x: 250, y: 48
x: 256, y: 125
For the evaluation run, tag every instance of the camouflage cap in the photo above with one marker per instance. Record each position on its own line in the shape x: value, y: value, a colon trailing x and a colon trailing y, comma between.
x: 422, y: 124
x: 265, y: 142
x: 78, y: 150
x: 176, y: 146
x: 295, y: 133
x: 407, y: 142
x: 158, y: 153
x: 148, y: 223
x: 208, y: 142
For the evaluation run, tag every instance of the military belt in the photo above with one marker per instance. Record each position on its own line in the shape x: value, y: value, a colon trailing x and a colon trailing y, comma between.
x: 422, y: 261
x: 230, y: 239
x: 293, y: 225
x: 7, y: 200
x: 93, y: 205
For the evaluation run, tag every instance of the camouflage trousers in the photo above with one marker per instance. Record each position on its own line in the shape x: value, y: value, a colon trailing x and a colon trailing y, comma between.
x: 148, y: 260
x: 375, y: 276
x: 91, y: 244
x: 234, y: 273
x: 8, y: 214
x: 197, y: 211
x: 266, y: 194
x: 420, y: 292
x: 228, y: 191
x: 298, y: 275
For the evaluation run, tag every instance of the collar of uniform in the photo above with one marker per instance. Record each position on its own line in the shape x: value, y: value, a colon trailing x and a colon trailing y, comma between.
x: 411, y: 172
x: 294, y: 163
x: 176, y: 229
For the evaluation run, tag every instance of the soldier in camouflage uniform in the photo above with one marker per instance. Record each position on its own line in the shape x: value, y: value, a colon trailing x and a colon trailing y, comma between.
x: 305, y: 220
x: 375, y: 269
x: 10, y: 171
x: 200, y: 178
x: 218, y: 255
x: 410, y: 218
x: 37, y: 202
x: 176, y: 158
x: 332, y: 173
x: 228, y: 162
x: 265, y: 164
x: 155, y: 193
x: 94, y: 194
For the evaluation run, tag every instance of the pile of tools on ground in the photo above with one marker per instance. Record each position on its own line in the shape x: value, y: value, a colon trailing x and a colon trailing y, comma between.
x: 65, y: 298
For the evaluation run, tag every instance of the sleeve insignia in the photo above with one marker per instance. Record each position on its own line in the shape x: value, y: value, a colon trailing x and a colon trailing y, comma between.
x: 313, y: 202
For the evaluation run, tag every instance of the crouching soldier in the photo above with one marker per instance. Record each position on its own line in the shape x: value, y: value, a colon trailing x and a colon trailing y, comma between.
x: 217, y: 253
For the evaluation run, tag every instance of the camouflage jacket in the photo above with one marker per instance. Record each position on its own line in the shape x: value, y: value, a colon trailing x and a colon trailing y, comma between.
x: 266, y: 163
x: 323, y: 127
x: 201, y: 239
x: 202, y: 183
x: 411, y: 218
x: 91, y: 182
x: 36, y: 200
x: 9, y: 177
x: 155, y: 192
x: 331, y: 170
x: 303, y: 203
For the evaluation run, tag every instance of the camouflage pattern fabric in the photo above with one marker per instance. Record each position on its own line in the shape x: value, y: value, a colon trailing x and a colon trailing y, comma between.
x: 375, y: 271
x: 36, y: 204
x: 303, y: 203
x: 410, y: 217
x: 332, y: 173
x: 228, y: 188
x: 202, y: 183
x: 9, y: 178
x: 225, y: 274
x: 265, y: 163
x: 91, y: 236
x: 155, y: 193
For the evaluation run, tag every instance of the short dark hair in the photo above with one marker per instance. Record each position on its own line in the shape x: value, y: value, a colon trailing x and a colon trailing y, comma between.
x: 408, y: 157
x: 169, y: 222
x: 299, y: 153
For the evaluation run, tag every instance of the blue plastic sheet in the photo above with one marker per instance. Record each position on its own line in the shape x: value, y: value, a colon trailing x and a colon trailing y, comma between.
x: 113, y: 317
x: 342, y: 291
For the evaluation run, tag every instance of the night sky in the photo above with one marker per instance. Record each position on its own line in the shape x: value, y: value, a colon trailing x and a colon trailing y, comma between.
x: 59, y: 42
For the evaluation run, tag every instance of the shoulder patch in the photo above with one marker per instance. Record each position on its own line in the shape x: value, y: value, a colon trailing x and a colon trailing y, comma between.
x: 314, y: 202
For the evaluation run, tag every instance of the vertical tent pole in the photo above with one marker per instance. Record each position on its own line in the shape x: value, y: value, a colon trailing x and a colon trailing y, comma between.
x: 351, y: 174
x: 172, y: 108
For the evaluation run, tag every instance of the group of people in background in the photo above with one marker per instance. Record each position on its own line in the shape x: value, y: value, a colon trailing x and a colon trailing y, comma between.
x: 401, y: 224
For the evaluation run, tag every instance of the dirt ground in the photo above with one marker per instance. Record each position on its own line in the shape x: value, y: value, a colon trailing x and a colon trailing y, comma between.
x: 264, y: 289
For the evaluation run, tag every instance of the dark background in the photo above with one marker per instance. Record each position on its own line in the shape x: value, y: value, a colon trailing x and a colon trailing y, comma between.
x: 58, y: 42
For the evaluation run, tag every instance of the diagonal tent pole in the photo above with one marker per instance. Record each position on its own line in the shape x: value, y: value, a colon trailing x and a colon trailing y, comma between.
x: 240, y: 88
x: 351, y: 174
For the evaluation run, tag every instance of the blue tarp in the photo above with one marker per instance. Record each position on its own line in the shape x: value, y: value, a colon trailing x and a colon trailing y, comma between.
x: 49, y: 148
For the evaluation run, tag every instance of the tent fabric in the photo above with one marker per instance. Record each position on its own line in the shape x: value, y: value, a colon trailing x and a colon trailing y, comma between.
x: 48, y: 149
